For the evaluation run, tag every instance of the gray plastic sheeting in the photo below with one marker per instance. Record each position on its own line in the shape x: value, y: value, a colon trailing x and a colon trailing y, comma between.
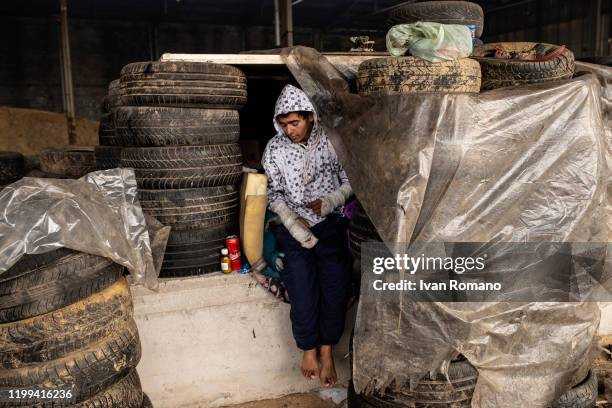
x: 516, y: 165
x: 98, y: 214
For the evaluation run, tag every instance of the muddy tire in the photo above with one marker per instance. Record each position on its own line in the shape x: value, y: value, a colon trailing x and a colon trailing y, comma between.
x: 68, y: 161
x: 389, y: 76
x: 107, y: 157
x: 125, y: 393
x: 191, y: 208
x: 40, y: 284
x: 159, y: 168
x: 445, y: 12
x: 435, y: 392
x: 90, y: 370
x: 583, y: 395
x: 183, y: 84
x: 162, y: 126
x: 146, y: 402
x: 54, y: 335
x: 106, y: 131
x: 12, y: 167
x: 498, y: 73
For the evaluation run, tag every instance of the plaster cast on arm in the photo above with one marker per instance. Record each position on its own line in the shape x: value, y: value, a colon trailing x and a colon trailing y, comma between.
x: 335, y: 199
x: 299, y: 231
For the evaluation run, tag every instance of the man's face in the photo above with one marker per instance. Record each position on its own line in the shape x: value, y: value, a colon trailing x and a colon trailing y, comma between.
x: 296, y: 127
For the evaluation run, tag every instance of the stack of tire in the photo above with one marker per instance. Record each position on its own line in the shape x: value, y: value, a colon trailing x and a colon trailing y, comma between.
x: 178, y: 126
x: 12, y: 167
x: 108, y: 152
x: 398, y: 75
x: 66, y: 324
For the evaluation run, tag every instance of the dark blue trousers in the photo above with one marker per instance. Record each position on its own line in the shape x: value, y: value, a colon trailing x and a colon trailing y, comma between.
x: 317, y: 281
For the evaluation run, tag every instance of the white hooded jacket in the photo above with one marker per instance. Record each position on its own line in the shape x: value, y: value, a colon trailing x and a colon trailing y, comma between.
x: 300, y: 173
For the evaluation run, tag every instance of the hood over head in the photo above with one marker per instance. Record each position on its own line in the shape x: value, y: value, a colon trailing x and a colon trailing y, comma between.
x: 292, y: 99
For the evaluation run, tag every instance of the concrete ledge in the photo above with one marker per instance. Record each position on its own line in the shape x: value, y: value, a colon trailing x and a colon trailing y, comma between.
x: 217, y: 340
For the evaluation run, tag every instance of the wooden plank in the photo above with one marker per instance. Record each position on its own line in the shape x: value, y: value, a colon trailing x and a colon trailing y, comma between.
x: 259, y: 59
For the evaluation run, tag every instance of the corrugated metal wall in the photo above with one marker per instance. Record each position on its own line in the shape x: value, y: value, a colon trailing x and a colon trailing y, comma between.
x: 564, y: 22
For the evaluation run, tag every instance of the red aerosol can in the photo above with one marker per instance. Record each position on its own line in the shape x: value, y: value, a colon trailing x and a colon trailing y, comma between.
x: 233, y: 245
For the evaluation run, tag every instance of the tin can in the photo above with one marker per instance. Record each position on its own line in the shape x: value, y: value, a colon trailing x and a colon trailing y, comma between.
x: 473, y: 31
x: 233, y: 245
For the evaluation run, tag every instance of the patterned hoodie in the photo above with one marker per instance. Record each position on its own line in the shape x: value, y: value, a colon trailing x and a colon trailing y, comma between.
x: 300, y: 173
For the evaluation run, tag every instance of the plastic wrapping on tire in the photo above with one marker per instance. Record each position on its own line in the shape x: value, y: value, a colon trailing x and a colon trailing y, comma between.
x: 97, y: 214
x: 518, y: 164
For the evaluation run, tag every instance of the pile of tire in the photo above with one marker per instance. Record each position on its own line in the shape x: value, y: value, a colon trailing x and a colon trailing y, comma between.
x: 400, y: 75
x: 503, y: 72
x: 177, y: 125
x: 67, y: 162
x: 12, y: 167
x: 66, y: 326
x: 457, y: 392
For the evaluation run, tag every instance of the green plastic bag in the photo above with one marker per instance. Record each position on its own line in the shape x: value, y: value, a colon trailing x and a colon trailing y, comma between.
x: 433, y: 42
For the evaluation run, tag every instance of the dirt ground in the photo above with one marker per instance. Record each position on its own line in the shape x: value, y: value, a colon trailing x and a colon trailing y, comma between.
x: 311, y: 400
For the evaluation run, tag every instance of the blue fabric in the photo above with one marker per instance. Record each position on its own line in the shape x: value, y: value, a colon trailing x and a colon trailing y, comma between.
x: 271, y: 254
x: 317, y: 281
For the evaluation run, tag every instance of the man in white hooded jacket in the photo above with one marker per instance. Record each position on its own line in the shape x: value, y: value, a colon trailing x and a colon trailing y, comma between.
x: 307, y: 188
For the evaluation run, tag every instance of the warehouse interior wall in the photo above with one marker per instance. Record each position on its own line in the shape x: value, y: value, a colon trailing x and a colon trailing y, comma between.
x: 31, y: 76
x: 562, y: 22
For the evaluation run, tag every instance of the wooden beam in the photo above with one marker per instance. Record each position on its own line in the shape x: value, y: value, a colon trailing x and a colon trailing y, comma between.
x: 260, y: 59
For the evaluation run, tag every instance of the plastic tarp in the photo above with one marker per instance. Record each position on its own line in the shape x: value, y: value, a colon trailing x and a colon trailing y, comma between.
x: 98, y: 214
x: 511, y: 165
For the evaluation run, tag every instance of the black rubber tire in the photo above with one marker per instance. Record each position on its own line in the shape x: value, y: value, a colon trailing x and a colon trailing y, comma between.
x: 583, y: 395
x: 107, y: 157
x: 186, y: 271
x: 182, y: 240
x: 428, y: 392
x: 91, y: 370
x: 40, y: 284
x: 12, y: 167
x: 191, y: 208
x: 150, y: 126
x: 106, y: 131
x: 53, y: 335
x: 159, y: 168
x: 68, y: 161
x: 146, y: 402
x: 498, y: 73
x: 391, y: 75
x: 183, y: 84
x: 445, y: 12
x: 195, y: 251
x: 125, y: 393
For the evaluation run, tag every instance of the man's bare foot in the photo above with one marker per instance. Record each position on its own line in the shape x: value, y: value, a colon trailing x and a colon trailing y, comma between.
x: 327, y: 375
x: 310, y: 365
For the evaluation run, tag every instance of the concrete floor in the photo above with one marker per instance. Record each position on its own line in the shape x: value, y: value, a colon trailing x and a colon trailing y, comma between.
x: 309, y: 400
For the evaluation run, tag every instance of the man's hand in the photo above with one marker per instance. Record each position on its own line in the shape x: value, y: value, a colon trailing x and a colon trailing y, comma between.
x: 315, y: 206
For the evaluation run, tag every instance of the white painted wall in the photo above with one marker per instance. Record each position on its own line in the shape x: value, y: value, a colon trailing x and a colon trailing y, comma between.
x: 218, y: 340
